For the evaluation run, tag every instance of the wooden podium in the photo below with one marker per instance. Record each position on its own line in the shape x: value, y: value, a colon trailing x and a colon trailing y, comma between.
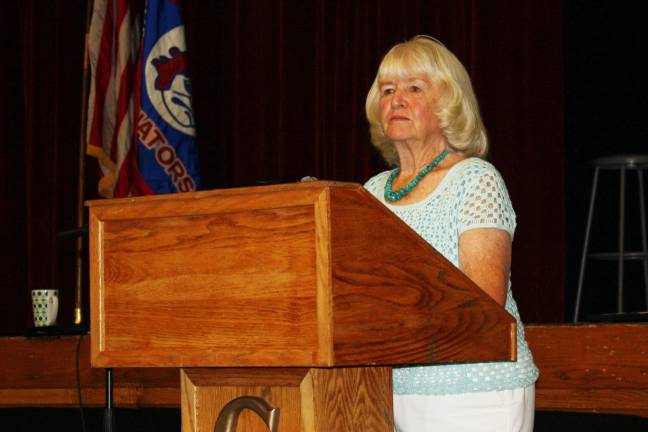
x: 302, y: 294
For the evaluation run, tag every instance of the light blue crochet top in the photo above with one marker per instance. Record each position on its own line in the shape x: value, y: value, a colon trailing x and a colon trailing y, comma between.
x: 471, y: 195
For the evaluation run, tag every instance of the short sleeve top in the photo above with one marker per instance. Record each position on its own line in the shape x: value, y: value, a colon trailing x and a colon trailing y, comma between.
x: 471, y: 195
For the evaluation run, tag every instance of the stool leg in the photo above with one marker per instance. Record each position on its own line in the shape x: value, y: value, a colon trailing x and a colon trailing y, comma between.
x: 588, y: 226
x: 644, y: 243
x: 621, y: 238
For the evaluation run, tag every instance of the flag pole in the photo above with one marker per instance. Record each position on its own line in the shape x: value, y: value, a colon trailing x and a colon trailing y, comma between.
x: 78, y: 291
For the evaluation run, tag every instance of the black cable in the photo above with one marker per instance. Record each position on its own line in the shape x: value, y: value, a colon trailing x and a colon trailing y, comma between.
x: 78, y: 382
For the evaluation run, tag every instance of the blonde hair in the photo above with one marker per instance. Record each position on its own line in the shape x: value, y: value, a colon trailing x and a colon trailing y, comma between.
x: 457, y: 110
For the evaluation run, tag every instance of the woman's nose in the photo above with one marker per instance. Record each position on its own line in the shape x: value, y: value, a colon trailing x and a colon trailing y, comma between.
x: 399, y: 99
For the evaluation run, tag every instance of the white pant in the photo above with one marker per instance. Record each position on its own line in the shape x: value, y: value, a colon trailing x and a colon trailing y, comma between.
x: 496, y: 411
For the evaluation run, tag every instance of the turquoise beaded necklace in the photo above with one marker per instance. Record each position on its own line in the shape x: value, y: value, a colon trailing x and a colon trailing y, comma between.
x: 390, y: 195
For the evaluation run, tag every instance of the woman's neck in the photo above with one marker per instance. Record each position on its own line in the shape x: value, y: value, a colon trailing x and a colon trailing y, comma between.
x: 414, y: 156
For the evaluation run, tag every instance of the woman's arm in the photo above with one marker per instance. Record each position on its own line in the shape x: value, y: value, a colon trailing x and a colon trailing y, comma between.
x: 485, y: 257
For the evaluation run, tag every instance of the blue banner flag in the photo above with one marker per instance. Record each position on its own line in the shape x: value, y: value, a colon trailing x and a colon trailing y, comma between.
x: 167, y: 157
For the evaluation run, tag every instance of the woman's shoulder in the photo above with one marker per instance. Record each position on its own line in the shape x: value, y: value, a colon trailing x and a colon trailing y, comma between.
x: 474, y: 169
x: 376, y: 183
x: 475, y: 166
x: 484, y: 199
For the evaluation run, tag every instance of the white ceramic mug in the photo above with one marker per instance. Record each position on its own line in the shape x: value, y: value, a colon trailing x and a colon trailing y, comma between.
x: 45, y: 307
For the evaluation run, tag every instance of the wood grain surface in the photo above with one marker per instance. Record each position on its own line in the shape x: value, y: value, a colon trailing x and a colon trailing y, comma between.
x: 308, y: 274
x: 592, y: 368
x: 210, y: 282
x: 41, y: 371
x: 206, y: 391
x: 315, y: 400
x: 349, y: 399
x: 396, y: 300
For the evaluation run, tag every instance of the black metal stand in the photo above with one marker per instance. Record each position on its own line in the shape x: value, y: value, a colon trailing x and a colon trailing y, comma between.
x: 109, y: 419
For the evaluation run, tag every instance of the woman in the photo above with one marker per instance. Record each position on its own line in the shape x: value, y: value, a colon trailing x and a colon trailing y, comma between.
x: 424, y: 119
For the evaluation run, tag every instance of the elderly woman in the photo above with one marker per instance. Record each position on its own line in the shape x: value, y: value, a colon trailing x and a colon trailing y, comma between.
x: 424, y: 119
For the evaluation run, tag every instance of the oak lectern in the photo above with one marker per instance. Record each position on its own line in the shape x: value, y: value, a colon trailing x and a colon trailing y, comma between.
x: 304, y: 295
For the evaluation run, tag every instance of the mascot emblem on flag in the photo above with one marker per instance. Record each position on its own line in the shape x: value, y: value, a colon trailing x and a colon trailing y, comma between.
x: 167, y: 81
x: 167, y: 157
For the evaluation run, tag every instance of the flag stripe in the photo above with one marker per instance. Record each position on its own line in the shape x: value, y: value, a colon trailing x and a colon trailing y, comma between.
x: 122, y: 137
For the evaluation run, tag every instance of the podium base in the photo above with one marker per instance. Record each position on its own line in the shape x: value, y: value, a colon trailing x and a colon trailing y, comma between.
x: 309, y: 400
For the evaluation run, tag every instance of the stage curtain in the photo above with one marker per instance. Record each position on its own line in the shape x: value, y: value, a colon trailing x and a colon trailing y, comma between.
x: 39, y: 115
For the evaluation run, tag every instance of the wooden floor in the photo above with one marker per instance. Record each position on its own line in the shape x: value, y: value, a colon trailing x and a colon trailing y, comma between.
x: 589, y: 368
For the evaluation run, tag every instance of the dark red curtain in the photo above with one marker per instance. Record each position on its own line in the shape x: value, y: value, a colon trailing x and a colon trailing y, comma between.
x: 39, y: 128
x: 279, y: 89
x: 13, y: 265
x: 518, y: 67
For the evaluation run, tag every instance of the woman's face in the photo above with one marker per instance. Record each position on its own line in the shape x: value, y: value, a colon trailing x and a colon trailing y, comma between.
x: 407, y: 109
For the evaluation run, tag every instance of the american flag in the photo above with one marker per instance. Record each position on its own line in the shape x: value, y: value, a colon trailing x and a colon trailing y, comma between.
x: 113, y: 39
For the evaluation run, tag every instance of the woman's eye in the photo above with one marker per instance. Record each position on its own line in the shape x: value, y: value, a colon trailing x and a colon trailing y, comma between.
x: 415, y: 89
x: 388, y: 91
